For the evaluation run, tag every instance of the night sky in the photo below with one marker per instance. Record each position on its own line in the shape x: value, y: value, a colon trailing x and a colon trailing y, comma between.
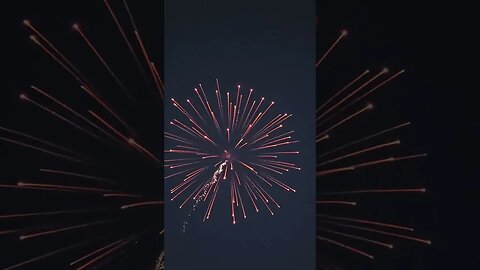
x: 271, y: 51
x: 433, y: 41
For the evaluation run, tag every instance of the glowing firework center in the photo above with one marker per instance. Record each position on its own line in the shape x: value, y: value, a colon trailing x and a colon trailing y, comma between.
x: 235, y: 138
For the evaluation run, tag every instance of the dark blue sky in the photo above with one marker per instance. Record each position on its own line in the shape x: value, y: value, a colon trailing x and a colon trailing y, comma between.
x: 268, y: 46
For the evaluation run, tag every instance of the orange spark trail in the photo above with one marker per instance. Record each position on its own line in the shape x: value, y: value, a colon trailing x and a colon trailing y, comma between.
x: 147, y: 203
x: 345, y: 246
x: 342, y: 35
x: 63, y: 229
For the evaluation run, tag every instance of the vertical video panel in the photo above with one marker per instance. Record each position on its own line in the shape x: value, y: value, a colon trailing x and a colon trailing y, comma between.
x: 81, y: 136
x: 239, y: 137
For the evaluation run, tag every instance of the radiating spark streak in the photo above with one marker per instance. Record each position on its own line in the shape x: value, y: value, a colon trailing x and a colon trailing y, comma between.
x: 34, y: 188
x: 193, y: 131
x: 346, y: 119
x: 390, y: 246
x: 55, y: 49
x: 366, y: 150
x: 195, y: 191
x: 275, y: 145
x: 64, y: 187
x: 394, y: 76
x: 63, y: 229
x: 144, y: 150
x: 241, y: 203
x: 109, y: 126
x: 173, y: 123
x: 178, y: 138
x: 67, y: 108
x: 369, y: 222
x: 40, y: 149
x: 105, y: 106
x: 369, y: 163
x: 77, y: 28
x: 255, y: 111
x: 233, y: 117
x: 115, y: 248
x: 177, y: 173
x: 178, y: 159
x: 122, y: 195
x: 158, y: 77
x: 234, y: 134
x: 49, y: 213
x: 284, y: 152
x: 52, y: 112
x: 246, y: 104
x: 239, y: 109
x: 147, y: 59
x: 282, y: 185
x: 232, y: 201
x: 333, y: 107
x: 322, y: 138
x: 196, y: 111
x: 46, y: 255
x: 124, y: 36
x: 147, y: 203
x: 351, y: 192
x: 266, y: 126
x: 79, y: 175
x: 56, y: 59
x: 269, y: 142
x: 186, y: 186
x: 343, y: 90
x: 337, y: 202
x: 342, y: 35
x: 424, y: 241
x: 183, y: 165
x: 270, y: 129
x: 265, y: 112
x: 82, y: 81
x: 181, y: 109
x: 97, y: 251
x: 257, y: 140
x: 38, y: 140
x: 268, y: 168
x: 248, y: 115
x: 210, y: 111
x: 262, y: 197
x: 247, y: 188
x: 345, y: 246
x: 364, y: 139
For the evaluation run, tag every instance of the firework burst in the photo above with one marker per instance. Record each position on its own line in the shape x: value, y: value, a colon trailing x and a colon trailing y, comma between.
x: 235, y: 141
x: 344, y: 110
x: 94, y: 199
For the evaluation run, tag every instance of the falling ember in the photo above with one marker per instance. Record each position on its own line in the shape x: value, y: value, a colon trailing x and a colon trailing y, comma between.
x: 236, y: 141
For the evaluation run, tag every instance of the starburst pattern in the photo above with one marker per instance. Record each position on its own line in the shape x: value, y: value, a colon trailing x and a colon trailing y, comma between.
x: 105, y: 197
x: 235, y: 141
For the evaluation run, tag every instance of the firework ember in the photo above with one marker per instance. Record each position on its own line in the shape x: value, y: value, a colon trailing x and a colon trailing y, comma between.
x: 236, y: 142
x: 94, y: 211
x: 363, y: 151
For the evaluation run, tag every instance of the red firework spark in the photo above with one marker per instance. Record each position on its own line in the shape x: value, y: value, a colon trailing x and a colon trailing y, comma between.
x: 339, y: 110
x: 105, y: 125
x: 235, y: 140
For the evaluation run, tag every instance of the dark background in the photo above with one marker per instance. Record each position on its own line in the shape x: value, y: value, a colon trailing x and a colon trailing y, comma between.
x: 433, y: 40
x: 23, y: 63
x: 267, y: 46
